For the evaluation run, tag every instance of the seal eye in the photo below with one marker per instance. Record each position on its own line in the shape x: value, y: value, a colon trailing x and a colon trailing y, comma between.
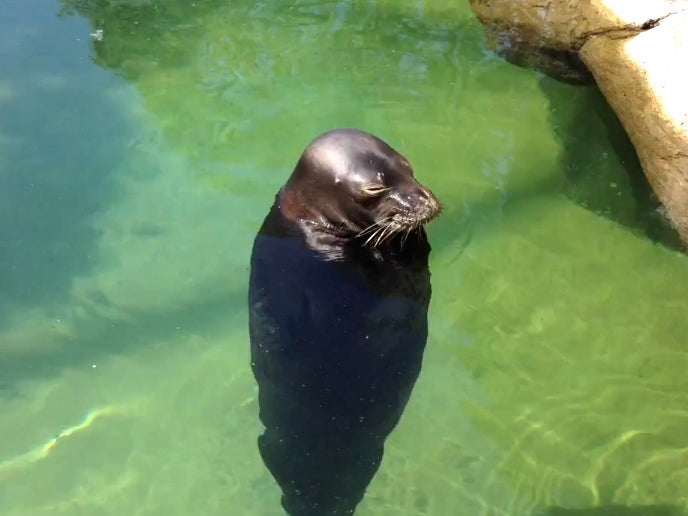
x: 373, y: 189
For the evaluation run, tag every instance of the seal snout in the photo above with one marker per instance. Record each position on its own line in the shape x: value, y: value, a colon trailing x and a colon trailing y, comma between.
x: 429, y: 205
x: 415, y: 205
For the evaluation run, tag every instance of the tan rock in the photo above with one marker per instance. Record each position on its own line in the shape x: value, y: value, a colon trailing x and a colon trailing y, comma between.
x: 636, y: 51
x: 644, y: 79
x: 547, y: 34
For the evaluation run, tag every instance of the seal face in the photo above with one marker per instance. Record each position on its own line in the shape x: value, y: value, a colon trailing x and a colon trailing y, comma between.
x: 338, y: 299
x: 351, y: 185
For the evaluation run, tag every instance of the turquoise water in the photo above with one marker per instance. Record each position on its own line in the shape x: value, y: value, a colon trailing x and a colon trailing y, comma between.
x: 141, y: 144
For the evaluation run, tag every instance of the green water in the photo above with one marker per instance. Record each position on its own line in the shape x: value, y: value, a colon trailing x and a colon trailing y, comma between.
x: 136, y: 165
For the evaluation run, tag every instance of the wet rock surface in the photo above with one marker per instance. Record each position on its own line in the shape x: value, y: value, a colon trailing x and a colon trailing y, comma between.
x: 633, y: 51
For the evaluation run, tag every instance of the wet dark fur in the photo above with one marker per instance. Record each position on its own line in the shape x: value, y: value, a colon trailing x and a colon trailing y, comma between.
x: 338, y: 321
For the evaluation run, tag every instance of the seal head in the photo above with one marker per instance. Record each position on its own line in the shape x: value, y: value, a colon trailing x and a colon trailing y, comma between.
x: 350, y: 185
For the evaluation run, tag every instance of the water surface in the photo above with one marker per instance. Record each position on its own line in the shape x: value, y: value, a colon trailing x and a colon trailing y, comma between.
x: 141, y: 144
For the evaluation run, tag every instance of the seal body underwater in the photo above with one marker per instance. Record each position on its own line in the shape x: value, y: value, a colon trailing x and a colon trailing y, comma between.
x: 338, y: 299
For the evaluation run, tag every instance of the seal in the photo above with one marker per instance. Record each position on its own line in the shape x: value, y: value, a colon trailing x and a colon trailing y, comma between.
x: 350, y: 184
x: 339, y: 291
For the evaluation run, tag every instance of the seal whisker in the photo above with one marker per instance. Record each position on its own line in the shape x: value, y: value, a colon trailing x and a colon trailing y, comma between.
x: 389, y: 232
x: 382, y: 235
x: 373, y: 226
x: 367, y: 230
x: 406, y: 235
x: 381, y: 225
x: 372, y: 235
x: 375, y: 234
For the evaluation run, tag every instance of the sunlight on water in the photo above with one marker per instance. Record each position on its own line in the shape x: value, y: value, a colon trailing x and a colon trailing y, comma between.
x: 141, y: 145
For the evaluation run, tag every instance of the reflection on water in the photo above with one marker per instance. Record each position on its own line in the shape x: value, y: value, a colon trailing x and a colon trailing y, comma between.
x: 61, y: 142
x: 134, y: 173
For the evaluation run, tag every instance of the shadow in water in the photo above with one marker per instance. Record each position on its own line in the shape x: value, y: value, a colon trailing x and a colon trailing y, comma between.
x: 60, y: 141
x: 336, y: 345
x: 611, y: 185
x: 100, y: 337
x: 617, y: 510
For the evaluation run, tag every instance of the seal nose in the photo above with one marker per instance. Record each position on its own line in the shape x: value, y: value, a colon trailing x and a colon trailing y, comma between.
x: 431, y: 201
x: 432, y: 205
x: 426, y: 203
x: 418, y: 201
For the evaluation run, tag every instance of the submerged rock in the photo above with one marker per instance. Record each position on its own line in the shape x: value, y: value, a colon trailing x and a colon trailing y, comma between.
x: 633, y: 51
x: 545, y: 36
